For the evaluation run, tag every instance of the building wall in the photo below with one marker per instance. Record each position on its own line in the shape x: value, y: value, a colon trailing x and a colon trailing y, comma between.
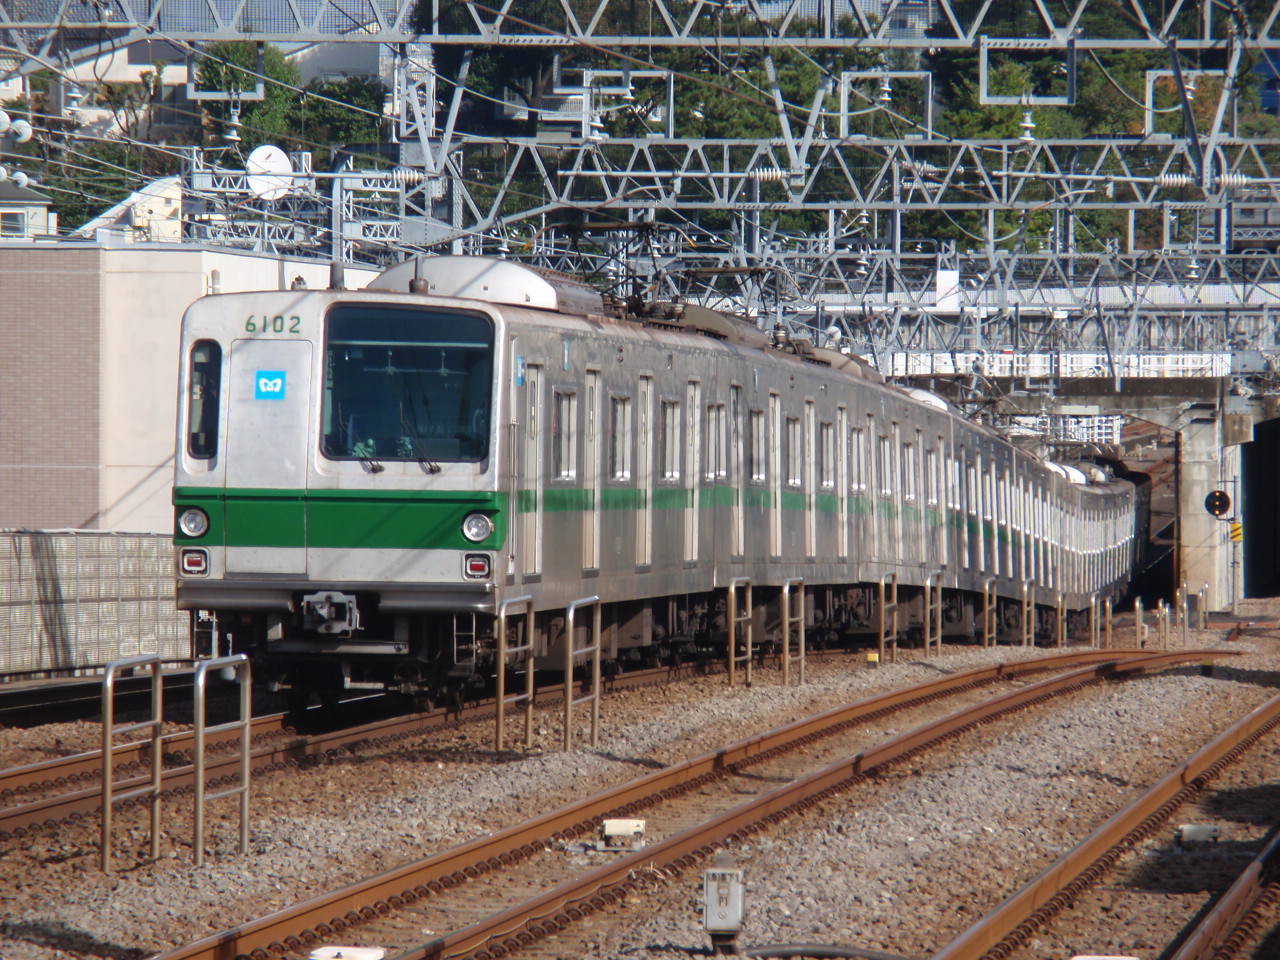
x: 50, y: 385
x: 89, y: 370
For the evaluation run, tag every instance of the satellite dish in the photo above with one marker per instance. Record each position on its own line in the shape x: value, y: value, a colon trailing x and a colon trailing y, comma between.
x: 269, y: 172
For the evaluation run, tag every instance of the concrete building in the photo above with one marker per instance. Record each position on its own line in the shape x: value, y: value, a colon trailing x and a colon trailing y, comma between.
x: 88, y: 372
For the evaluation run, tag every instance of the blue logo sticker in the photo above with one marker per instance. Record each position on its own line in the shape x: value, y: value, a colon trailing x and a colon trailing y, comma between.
x: 269, y: 385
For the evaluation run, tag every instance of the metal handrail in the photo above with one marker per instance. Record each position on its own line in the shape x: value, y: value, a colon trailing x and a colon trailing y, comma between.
x: 933, y: 611
x: 1028, y: 613
x: 110, y: 731
x: 244, y: 673
x: 787, y: 620
x: 889, y: 612
x: 505, y: 650
x: 570, y: 651
x: 736, y: 618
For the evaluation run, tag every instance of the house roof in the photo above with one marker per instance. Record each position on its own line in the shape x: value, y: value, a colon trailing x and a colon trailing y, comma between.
x: 10, y: 192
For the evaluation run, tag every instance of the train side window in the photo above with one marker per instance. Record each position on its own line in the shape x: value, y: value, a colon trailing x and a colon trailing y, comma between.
x: 669, y: 441
x: 757, y: 449
x: 859, y: 460
x: 931, y: 477
x: 564, y: 436
x: 620, y: 438
x: 205, y: 388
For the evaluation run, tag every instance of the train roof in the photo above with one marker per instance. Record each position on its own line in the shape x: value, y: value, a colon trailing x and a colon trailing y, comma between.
x: 491, y: 279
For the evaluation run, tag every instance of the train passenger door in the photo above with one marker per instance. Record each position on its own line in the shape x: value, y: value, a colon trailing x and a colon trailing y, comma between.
x: 644, y: 484
x: 693, y: 413
x: 530, y: 488
x: 268, y: 443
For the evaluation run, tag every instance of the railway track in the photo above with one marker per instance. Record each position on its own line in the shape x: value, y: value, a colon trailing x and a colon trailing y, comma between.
x: 43, y: 795
x: 449, y: 899
x: 1001, y: 933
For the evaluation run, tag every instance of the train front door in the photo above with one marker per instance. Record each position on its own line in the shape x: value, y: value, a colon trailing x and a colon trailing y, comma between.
x: 268, y: 440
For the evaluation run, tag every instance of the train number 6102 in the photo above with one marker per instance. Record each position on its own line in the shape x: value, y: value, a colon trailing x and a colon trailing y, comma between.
x: 272, y: 324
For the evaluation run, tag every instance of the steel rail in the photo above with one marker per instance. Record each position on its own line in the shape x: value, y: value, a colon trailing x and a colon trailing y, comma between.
x: 1223, y: 930
x: 295, y: 927
x: 49, y: 775
x: 1011, y: 924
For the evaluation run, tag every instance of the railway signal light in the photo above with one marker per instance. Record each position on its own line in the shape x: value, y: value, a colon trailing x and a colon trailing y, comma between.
x: 1218, y: 503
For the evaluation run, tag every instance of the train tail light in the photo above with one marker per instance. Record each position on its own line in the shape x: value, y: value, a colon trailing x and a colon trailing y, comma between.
x: 476, y: 566
x: 194, y: 563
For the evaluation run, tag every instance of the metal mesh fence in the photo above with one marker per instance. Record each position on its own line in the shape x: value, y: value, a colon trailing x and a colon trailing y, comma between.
x: 74, y: 600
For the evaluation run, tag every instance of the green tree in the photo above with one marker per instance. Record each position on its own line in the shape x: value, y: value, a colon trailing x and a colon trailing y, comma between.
x: 232, y: 67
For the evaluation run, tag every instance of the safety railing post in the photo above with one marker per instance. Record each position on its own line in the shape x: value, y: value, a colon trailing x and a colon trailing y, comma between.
x: 571, y: 650
x: 746, y: 619
x: 1060, y: 624
x: 889, y: 614
x: 933, y: 611
x: 989, y: 612
x: 506, y: 650
x: 109, y: 733
x: 244, y: 674
x: 1185, y: 614
x: 1095, y: 627
x: 1139, y: 624
x: 1028, y: 613
x: 1204, y: 607
x: 787, y: 620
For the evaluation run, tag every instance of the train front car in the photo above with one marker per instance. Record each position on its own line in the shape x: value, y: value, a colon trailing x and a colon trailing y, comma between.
x: 336, y: 494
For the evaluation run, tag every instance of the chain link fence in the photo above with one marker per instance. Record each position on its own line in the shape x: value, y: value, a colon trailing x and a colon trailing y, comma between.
x: 72, y: 601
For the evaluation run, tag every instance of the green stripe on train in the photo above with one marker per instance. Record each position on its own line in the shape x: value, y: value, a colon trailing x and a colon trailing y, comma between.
x: 343, y: 519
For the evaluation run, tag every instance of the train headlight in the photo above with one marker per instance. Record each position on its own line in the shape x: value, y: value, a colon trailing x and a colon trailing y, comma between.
x: 194, y: 522
x: 477, y: 527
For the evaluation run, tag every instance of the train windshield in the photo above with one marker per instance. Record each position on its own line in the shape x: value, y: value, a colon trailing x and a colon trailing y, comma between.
x: 407, y: 383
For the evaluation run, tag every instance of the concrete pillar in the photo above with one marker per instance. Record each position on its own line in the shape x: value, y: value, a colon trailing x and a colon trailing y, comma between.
x: 1206, y: 550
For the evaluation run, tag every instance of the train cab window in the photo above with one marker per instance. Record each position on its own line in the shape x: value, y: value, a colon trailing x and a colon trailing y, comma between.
x: 620, y: 438
x: 564, y: 436
x: 204, y: 390
x: 406, y: 383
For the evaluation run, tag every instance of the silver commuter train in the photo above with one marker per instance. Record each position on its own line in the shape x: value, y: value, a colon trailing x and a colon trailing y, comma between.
x: 364, y: 476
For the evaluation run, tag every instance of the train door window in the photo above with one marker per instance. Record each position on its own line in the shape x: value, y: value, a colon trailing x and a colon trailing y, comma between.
x: 757, y: 451
x: 669, y: 441
x: 775, y: 471
x: 204, y: 391
x: 736, y: 413
x: 591, y: 474
x: 808, y: 476
x: 715, y: 443
x: 884, y: 465
x: 644, y: 500
x: 842, y: 481
x: 859, y: 461
x: 564, y: 436
x: 795, y: 452
x: 931, y: 512
x: 973, y: 527
x: 693, y: 413
x: 909, y: 492
x: 827, y: 458
x: 620, y: 438
x: 531, y: 485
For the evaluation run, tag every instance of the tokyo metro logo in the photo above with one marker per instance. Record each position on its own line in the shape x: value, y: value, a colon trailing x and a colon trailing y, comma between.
x: 269, y: 385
